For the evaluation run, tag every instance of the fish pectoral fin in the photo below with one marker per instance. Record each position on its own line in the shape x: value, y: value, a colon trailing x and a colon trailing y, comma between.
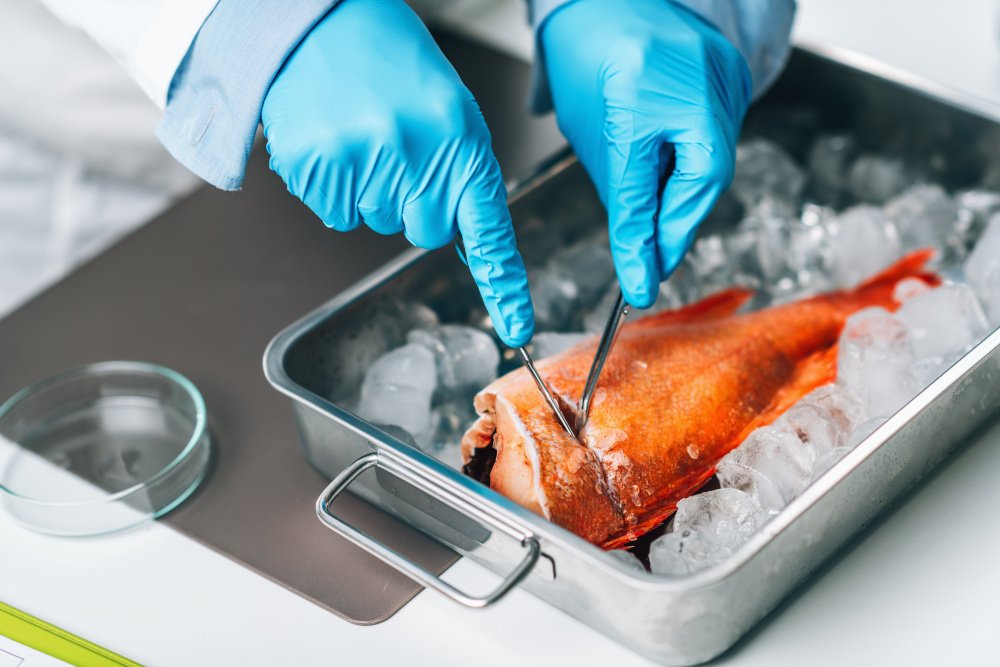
x: 813, y: 371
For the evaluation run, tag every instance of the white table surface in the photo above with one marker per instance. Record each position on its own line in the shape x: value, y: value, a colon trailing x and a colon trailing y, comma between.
x: 922, y: 588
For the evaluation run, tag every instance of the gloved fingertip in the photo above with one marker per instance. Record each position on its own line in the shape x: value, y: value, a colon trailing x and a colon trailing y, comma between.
x: 639, y: 284
x: 517, y: 319
x: 641, y: 297
x: 517, y: 334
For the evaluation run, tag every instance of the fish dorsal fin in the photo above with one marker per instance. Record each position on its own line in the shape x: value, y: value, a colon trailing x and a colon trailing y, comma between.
x: 713, y: 307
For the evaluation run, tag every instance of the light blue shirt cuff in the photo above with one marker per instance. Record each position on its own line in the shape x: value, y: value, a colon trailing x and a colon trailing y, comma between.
x: 759, y: 29
x: 213, y: 106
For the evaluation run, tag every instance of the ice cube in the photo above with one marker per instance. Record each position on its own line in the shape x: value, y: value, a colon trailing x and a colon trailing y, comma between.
x: 943, y: 322
x: 839, y: 405
x: 673, y: 555
x: 982, y: 269
x: 926, y: 217
x: 814, y: 215
x: 928, y: 369
x: 763, y: 169
x: 710, y: 263
x: 727, y: 516
x: 877, y: 178
x: 861, y: 242
x: 772, y: 250
x: 628, y: 558
x: 766, y: 207
x: 768, y: 224
x: 788, y: 250
x: 548, y: 344
x: 863, y: 431
x: 466, y: 357
x: 823, y: 420
x: 588, y: 266
x: 807, y: 250
x: 975, y: 207
x: 908, y: 288
x: 681, y: 288
x: 829, y: 159
x: 772, y: 466
x: 554, y: 299
x: 708, y: 527
x: 377, y: 329
x: 812, y: 425
x: 875, y: 361
x: 726, y: 213
x: 397, y: 391
x: 741, y: 250
x: 827, y: 459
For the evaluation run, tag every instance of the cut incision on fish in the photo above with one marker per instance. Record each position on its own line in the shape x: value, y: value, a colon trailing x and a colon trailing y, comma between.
x: 680, y: 389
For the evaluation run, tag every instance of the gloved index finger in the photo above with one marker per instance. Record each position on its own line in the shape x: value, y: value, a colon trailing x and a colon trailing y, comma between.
x: 490, y: 250
x: 633, y: 190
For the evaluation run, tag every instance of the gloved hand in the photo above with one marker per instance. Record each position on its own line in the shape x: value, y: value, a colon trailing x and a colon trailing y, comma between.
x: 651, y: 98
x: 367, y: 122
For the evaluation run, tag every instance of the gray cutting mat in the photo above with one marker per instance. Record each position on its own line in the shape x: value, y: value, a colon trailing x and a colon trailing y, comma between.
x: 202, y: 290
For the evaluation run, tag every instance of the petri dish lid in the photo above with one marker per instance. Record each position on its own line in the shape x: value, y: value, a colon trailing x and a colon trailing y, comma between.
x: 101, y: 448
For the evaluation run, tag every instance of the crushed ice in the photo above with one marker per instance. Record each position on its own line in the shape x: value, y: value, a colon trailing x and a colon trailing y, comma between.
x: 786, y: 231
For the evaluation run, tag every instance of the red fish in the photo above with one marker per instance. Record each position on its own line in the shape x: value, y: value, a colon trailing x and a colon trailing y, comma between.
x: 680, y: 389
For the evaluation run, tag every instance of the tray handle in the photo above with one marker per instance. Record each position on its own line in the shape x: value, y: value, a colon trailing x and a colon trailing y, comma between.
x: 401, y: 563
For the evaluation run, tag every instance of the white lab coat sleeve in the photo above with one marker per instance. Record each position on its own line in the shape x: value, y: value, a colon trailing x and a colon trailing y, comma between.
x: 148, y: 38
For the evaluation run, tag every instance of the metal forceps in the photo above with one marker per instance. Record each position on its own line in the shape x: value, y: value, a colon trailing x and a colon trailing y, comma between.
x: 618, y: 313
x: 528, y: 362
x: 546, y: 394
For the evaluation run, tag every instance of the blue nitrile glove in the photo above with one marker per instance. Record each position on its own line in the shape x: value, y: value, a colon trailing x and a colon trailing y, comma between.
x: 651, y: 97
x: 367, y: 122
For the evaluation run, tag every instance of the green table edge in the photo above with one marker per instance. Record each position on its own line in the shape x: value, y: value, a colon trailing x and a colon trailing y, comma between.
x: 56, y: 642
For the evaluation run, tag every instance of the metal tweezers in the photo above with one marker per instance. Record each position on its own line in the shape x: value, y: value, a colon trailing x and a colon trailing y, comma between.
x: 618, y: 313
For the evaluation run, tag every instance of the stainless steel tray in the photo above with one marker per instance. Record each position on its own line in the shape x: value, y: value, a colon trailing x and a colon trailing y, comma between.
x: 673, y: 620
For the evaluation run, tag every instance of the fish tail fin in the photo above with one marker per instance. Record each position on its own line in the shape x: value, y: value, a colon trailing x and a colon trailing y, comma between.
x: 912, y: 265
x: 713, y: 307
x: 878, y: 290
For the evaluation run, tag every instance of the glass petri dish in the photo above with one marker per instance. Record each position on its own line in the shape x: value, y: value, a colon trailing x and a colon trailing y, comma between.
x: 101, y: 448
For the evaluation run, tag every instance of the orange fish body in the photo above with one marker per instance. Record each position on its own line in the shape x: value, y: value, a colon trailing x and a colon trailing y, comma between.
x: 679, y: 390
